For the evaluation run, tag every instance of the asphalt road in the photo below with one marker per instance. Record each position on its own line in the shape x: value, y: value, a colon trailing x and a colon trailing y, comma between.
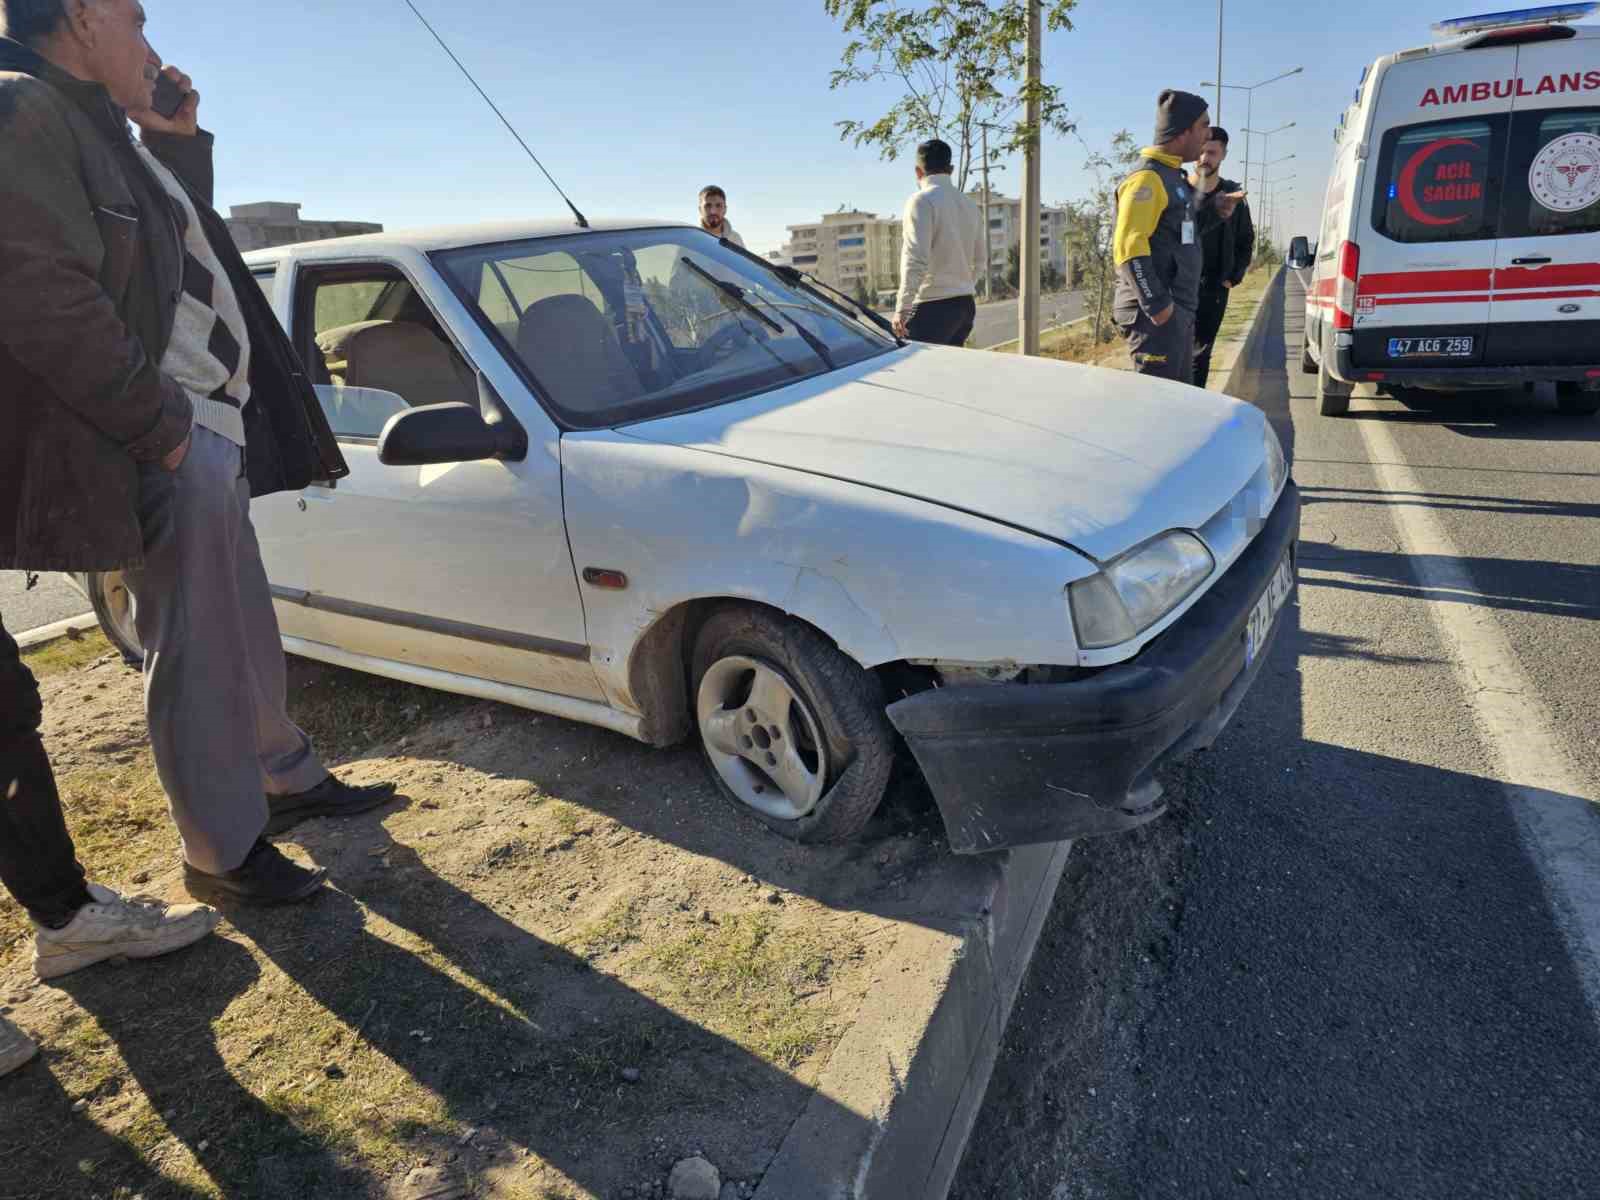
x: 997, y: 322
x: 1346, y: 964
x: 51, y: 599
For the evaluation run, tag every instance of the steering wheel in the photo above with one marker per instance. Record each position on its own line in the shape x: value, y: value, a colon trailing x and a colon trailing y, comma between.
x: 721, y: 343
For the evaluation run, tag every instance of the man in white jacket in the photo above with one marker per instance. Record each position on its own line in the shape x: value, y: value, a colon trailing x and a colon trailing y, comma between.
x: 941, y: 244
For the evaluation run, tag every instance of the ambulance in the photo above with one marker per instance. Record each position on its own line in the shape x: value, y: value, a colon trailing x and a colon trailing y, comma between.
x: 1460, y: 236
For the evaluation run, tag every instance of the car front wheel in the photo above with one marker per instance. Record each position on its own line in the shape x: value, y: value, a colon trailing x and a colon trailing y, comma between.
x: 794, y: 730
x: 113, y: 608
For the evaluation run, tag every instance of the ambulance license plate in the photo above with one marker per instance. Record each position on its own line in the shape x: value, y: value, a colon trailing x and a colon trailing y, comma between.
x: 1260, y: 623
x: 1431, y: 347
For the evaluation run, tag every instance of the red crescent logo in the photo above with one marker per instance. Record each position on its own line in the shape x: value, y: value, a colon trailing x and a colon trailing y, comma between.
x: 1408, y: 181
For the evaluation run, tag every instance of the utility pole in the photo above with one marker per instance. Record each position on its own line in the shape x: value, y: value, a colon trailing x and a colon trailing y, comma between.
x: 1218, y: 119
x: 1028, y: 290
x: 988, y: 254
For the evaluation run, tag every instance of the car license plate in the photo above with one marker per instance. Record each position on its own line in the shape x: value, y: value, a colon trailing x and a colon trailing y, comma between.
x: 1430, y: 347
x: 1260, y: 625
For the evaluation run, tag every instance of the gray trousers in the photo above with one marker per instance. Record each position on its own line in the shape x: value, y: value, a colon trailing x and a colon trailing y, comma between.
x: 1165, y: 351
x: 214, y: 672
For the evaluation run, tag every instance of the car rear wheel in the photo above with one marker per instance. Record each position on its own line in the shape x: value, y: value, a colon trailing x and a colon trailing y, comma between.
x: 114, y: 607
x: 1333, y: 395
x: 1573, y: 401
x: 1307, y: 363
x: 794, y: 731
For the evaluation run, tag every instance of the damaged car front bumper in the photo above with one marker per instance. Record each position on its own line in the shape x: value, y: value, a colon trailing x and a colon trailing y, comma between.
x: 1017, y: 763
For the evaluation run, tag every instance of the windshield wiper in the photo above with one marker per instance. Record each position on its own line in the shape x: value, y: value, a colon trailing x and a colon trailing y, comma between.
x: 731, y: 295
x: 734, y: 294
x: 797, y: 278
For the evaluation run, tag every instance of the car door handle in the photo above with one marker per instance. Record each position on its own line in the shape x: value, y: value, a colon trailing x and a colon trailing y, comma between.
x: 1533, y: 260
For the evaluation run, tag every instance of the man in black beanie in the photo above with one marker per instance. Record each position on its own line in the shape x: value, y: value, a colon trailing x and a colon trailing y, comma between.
x: 1155, y: 248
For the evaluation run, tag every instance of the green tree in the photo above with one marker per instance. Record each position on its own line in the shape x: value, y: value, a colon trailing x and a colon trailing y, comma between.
x: 957, y: 62
x: 1014, y: 267
x: 1091, y: 221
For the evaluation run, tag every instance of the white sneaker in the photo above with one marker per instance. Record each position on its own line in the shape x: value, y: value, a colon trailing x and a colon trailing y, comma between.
x: 118, y: 927
x: 16, y: 1047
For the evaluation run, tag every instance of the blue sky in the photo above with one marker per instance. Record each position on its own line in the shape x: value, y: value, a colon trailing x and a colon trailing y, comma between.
x: 350, y: 108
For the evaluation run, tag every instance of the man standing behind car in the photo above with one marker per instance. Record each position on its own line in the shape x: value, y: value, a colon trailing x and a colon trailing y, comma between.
x: 1156, y: 251
x: 1227, y: 244
x: 714, y: 214
x: 138, y: 360
x: 941, y: 241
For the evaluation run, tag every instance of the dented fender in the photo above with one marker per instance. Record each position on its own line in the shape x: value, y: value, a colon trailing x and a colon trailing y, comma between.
x: 887, y: 577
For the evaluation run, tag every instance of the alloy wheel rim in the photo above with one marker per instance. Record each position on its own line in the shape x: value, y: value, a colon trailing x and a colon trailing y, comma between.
x: 763, y: 740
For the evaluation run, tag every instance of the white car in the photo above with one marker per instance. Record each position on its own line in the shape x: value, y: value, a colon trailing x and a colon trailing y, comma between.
x: 634, y: 476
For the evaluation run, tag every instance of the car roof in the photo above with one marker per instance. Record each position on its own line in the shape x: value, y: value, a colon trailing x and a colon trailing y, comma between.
x: 450, y: 237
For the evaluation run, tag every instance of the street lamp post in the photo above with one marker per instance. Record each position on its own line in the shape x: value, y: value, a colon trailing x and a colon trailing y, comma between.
x: 1219, y: 63
x: 1249, y: 91
x: 1269, y: 190
x: 1264, y: 135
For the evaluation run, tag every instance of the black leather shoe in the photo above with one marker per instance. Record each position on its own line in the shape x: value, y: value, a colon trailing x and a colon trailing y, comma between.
x: 330, y: 798
x: 265, y: 877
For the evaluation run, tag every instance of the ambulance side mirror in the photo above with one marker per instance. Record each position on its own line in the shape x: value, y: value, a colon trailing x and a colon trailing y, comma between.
x: 1299, y: 255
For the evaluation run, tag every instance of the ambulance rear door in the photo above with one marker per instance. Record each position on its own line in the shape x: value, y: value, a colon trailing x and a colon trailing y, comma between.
x: 1546, y: 303
x: 1428, y: 240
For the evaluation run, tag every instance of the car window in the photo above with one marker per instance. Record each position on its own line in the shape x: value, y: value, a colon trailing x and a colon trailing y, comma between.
x: 615, y: 327
x: 1553, y: 175
x: 1439, y: 182
x: 376, y: 349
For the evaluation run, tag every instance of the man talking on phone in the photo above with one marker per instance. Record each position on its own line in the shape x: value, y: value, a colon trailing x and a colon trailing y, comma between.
x: 146, y: 393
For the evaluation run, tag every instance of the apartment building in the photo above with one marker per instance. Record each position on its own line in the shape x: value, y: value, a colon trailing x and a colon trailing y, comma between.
x: 274, y: 223
x: 849, y: 249
x: 1005, y: 231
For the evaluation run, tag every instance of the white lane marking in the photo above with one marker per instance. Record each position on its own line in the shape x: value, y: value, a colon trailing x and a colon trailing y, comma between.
x: 1559, y: 823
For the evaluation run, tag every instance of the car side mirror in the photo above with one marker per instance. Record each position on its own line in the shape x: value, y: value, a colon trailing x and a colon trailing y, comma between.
x: 1299, y: 253
x: 451, y: 433
x: 440, y: 433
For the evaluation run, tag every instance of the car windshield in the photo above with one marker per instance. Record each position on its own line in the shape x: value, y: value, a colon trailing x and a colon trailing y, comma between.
x: 616, y: 327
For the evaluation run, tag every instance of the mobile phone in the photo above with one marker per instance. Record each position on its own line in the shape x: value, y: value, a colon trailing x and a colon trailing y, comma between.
x: 168, y: 98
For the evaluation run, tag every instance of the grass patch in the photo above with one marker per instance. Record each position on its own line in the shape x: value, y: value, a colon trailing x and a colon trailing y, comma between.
x: 346, y: 712
x: 65, y: 654
x: 1242, y: 303
x: 618, y: 926
x: 747, y: 980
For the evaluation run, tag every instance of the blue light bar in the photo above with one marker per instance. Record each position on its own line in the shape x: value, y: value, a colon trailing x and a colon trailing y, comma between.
x: 1548, y: 15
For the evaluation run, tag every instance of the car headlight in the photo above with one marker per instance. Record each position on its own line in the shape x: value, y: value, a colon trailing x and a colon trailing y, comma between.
x: 1131, y: 593
x: 1277, y: 465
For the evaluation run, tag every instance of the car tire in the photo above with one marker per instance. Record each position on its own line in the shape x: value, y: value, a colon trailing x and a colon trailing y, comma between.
x: 1307, y: 363
x: 1333, y: 395
x: 1573, y: 401
x: 764, y: 686
x: 113, y: 608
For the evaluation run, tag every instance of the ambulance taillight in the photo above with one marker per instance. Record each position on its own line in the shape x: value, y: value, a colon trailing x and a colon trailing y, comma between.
x: 1344, y: 297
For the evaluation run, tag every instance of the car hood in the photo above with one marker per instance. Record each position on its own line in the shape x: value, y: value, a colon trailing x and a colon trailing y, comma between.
x: 1098, y: 459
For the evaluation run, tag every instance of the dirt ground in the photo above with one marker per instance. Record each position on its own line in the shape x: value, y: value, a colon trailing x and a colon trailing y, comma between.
x: 558, y: 965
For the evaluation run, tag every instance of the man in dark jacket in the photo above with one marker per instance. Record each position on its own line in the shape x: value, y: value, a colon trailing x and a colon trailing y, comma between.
x: 1227, y: 245
x: 138, y: 360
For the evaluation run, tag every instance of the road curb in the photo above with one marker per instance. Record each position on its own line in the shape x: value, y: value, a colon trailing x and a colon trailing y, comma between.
x: 29, y: 638
x: 897, y: 1100
x: 1231, y: 381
